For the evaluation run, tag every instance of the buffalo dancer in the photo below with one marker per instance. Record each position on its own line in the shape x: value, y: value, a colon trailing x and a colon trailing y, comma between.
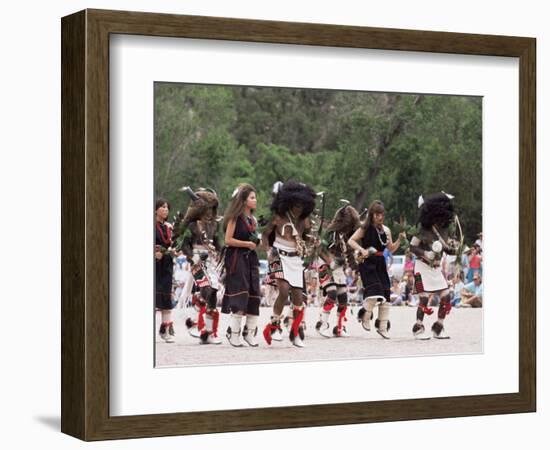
x: 200, y: 244
x: 335, y: 257
x: 287, y: 234
x: 436, y: 216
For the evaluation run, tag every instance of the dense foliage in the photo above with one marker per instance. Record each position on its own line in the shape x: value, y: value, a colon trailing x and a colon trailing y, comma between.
x: 358, y: 146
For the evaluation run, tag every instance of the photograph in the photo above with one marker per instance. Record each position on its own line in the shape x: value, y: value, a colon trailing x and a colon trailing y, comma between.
x: 301, y: 224
x: 328, y: 200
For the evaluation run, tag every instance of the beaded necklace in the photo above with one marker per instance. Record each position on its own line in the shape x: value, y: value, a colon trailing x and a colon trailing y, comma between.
x: 378, y: 233
x: 167, y: 240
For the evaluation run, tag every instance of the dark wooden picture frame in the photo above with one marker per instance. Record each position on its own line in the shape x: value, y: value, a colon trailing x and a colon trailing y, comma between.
x: 85, y: 224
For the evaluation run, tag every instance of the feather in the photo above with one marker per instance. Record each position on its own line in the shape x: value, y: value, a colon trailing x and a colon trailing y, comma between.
x: 449, y: 196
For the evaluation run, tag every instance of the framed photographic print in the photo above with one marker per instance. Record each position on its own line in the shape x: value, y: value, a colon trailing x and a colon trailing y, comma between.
x: 273, y: 225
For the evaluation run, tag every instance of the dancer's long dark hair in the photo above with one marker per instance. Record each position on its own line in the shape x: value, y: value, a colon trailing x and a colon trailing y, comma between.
x: 376, y: 207
x: 238, y: 202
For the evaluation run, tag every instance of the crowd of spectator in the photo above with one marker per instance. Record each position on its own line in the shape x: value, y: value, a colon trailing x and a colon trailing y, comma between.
x: 463, y: 272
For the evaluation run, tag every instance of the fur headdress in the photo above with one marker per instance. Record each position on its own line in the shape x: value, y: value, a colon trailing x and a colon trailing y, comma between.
x: 293, y: 193
x: 345, y: 220
x: 436, y: 209
x: 207, y: 202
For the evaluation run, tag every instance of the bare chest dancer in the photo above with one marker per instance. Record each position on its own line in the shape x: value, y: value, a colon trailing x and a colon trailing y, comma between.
x: 429, y: 245
x: 286, y: 238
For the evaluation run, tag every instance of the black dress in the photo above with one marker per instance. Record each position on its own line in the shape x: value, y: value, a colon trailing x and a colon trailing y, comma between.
x: 163, y: 269
x: 242, y: 273
x: 374, y: 274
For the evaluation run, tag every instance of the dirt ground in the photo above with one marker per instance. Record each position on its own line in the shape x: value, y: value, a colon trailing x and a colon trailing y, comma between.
x: 463, y: 325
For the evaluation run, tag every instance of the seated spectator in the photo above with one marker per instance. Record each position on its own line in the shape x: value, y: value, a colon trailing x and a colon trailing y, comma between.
x: 472, y: 294
x: 458, y: 285
x: 396, y: 296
